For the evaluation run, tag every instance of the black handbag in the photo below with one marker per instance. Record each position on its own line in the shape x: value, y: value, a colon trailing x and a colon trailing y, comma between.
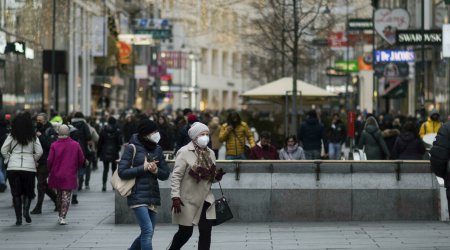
x: 223, y: 211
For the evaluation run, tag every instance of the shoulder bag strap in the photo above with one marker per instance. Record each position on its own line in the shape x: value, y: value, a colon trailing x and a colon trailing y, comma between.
x: 134, y: 154
x: 376, y: 140
x: 220, y: 186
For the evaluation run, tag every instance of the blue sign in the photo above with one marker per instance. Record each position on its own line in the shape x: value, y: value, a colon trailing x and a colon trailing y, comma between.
x: 394, y: 56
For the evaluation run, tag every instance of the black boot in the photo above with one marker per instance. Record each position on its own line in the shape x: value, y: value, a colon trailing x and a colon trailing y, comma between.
x: 52, y: 196
x: 74, y: 199
x: 17, y: 202
x: 26, y: 209
x: 80, y: 183
x: 38, y: 208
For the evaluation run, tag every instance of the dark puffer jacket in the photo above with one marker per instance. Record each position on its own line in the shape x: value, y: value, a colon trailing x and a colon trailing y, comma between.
x: 109, y: 143
x: 82, y: 134
x: 146, y: 189
x: 408, y: 146
x: 440, y: 152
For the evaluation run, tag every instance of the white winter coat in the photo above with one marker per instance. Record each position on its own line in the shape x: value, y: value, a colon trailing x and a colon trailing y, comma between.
x: 22, y: 157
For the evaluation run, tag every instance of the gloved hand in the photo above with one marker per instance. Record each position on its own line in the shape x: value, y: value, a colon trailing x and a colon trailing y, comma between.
x: 219, y: 174
x: 176, y: 205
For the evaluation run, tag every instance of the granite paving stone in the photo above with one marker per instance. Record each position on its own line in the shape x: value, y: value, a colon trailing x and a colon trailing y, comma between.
x: 91, y: 226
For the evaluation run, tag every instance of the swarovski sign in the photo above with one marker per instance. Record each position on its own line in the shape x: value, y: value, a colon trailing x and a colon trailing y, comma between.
x: 414, y: 37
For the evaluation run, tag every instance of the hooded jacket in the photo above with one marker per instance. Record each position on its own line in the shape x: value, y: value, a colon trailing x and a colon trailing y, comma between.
x: 408, y: 147
x: 109, y: 143
x: 430, y: 126
x: 372, y: 141
x: 83, y: 134
x: 146, y: 188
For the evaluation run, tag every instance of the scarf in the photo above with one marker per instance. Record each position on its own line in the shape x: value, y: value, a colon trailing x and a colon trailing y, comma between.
x: 204, y: 168
x: 149, y: 145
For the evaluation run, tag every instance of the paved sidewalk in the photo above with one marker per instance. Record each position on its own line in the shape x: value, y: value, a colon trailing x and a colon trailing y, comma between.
x: 91, y: 226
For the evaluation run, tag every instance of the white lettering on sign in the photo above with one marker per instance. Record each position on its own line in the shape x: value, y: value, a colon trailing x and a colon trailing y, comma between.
x: 394, y: 56
x: 417, y: 38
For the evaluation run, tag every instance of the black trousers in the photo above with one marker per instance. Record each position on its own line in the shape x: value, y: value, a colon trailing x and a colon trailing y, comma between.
x: 185, y: 232
x: 106, y: 170
x: 22, y: 183
x: 447, y: 190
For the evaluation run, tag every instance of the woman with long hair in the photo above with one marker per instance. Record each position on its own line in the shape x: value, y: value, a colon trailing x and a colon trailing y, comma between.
x: 21, y: 151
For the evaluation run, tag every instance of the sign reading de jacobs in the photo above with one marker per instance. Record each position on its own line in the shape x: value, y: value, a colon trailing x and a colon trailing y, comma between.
x: 414, y: 37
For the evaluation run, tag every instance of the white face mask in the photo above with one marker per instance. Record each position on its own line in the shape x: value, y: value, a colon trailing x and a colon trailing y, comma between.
x: 155, y: 137
x: 203, y: 141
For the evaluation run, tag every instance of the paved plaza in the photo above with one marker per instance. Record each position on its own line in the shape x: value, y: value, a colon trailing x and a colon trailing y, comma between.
x: 91, y: 226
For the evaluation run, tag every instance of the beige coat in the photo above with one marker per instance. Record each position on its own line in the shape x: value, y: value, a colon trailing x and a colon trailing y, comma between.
x: 214, y: 129
x: 191, y: 193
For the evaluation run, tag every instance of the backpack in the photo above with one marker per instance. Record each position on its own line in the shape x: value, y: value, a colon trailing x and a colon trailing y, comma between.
x: 51, y: 134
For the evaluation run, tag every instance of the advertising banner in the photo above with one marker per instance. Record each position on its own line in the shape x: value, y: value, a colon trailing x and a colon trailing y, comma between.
x: 387, y: 22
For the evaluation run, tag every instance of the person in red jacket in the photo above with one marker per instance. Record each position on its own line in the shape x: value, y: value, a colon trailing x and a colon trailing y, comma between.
x: 263, y: 149
x: 63, y: 161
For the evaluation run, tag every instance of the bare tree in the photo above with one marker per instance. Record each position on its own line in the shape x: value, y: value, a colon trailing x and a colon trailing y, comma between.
x: 284, y: 30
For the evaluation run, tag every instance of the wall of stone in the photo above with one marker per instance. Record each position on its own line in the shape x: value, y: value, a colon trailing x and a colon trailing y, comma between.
x: 279, y: 191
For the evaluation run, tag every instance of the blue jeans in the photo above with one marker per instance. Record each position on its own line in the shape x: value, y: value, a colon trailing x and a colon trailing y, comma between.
x: 2, y: 172
x: 334, y: 151
x: 146, y: 220
x: 235, y: 157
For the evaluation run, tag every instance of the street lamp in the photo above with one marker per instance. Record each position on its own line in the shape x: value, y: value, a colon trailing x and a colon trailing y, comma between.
x: 193, y: 58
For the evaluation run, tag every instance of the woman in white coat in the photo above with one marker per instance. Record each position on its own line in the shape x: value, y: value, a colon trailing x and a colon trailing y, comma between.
x: 192, y: 199
x: 22, y: 150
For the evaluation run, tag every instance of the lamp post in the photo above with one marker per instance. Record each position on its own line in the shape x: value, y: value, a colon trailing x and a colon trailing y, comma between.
x: 193, y: 59
x: 54, y: 56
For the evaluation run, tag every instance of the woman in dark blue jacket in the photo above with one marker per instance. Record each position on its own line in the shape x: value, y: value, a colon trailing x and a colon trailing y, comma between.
x: 147, y: 166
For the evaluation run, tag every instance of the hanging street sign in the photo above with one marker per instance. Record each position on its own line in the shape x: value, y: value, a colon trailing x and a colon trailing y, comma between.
x: 360, y: 24
x: 394, y: 56
x: 414, y: 37
x: 347, y: 66
x: 137, y: 39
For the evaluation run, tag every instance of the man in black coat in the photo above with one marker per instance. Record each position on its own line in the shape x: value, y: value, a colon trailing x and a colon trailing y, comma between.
x: 47, y: 135
x: 440, y: 156
x: 108, y: 149
x: 336, y: 136
x: 83, y: 135
x: 311, y: 134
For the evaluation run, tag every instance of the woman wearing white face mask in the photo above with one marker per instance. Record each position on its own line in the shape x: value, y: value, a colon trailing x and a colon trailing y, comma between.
x: 147, y: 166
x: 192, y: 199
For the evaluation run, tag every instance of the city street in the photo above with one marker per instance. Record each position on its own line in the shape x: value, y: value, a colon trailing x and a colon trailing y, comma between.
x: 91, y: 226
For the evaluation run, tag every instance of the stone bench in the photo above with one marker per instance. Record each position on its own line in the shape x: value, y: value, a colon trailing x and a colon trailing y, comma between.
x: 280, y: 191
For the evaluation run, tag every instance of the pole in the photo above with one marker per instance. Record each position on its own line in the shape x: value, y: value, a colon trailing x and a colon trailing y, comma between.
x: 422, y: 85
x: 295, y: 69
x: 54, y: 57
x: 103, y: 106
x: 347, y: 106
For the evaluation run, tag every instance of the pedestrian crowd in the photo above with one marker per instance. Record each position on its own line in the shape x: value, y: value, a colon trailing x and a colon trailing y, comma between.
x: 55, y: 155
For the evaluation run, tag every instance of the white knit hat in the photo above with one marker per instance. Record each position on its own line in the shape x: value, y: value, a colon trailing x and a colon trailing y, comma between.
x: 196, y: 129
